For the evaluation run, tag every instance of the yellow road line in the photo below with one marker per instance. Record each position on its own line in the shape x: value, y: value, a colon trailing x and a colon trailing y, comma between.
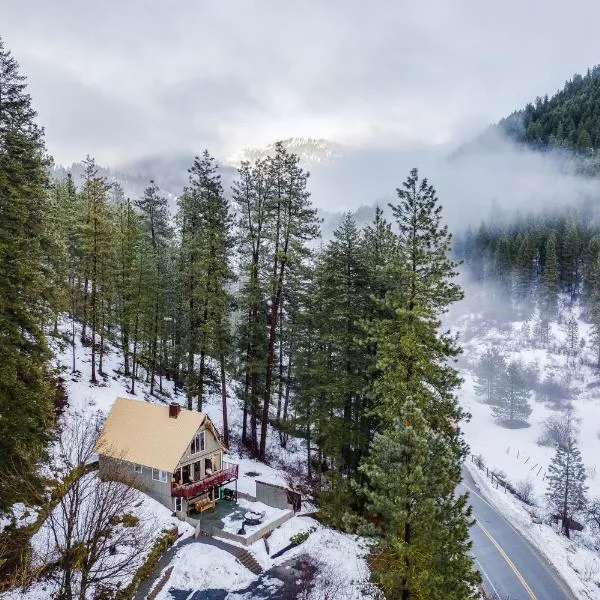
x: 508, y: 561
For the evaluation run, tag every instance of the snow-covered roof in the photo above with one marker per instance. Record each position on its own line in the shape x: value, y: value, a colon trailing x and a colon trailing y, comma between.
x: 144, y: 433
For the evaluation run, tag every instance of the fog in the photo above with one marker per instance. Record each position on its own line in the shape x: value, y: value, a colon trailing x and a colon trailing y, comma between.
x: 496, y: 177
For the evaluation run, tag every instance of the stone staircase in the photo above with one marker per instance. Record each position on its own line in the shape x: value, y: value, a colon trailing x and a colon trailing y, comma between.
x: 244, y: 557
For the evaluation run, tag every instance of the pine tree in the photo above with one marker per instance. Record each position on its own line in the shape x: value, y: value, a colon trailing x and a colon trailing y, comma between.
x: 157, y: 233
x: 550, y: 280
x: 294, y: 223
x: 25, y: 385
x: 571, y: 332
x: 594, y: 306
x: 489, y: 371
x: 96, y: 240
x: 423, y: 547
x: 417, y: 412
x: 512, y: 403
x: 253, y: 208
x: 566, y: 483
x: 572, y: 257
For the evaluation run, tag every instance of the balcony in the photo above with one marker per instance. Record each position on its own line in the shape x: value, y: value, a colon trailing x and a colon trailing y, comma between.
x: 228, y: 473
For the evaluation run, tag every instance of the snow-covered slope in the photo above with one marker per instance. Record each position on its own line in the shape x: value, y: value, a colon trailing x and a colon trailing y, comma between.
x: 516, y: 452
x: 197, y: 566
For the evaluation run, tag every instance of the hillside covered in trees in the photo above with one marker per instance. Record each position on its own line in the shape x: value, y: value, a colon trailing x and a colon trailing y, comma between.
x: 570, y: 119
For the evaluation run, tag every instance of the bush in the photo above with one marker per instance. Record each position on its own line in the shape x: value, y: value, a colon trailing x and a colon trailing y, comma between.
x: 129, y: 520
x: 297, y: 539
x: 524, y: 491
x: 158, y: 549
x: 557, y: 430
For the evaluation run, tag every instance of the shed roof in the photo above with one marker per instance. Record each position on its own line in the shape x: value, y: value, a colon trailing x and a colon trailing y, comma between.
x: 143, y: 433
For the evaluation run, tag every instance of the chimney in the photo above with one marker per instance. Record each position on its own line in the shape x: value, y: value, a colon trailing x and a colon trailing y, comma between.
x: 174, y: 410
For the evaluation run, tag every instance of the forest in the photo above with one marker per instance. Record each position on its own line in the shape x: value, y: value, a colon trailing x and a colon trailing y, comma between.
x: 337, y: 343
x: 568, y: 120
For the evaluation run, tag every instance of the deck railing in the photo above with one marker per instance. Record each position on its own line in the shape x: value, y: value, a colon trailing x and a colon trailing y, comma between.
x: 228, y: 473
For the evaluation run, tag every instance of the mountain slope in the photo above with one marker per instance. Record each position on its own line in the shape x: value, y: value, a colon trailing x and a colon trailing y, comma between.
x: 569, y: 119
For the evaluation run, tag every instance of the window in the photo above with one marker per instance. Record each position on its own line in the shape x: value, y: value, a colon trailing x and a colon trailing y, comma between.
x: 197, y: 443
x: 178, y: 504
x: 159, y: 475
x: 138, y: 468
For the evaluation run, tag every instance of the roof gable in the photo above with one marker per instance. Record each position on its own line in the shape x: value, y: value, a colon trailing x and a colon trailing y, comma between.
x: 143, y: 433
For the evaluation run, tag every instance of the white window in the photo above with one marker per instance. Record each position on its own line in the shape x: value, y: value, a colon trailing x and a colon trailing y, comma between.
x: 197, y: 443
x: 138, y: 468
x: 159, y: 475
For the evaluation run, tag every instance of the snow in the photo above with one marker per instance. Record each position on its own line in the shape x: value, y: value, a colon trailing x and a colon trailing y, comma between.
x: 341, y: 558
x: 232, y: 525
x: 201, y: 567
x: 516, y: 451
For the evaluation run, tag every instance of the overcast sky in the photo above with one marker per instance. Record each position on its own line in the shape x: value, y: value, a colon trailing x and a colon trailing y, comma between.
x: 127, y: 79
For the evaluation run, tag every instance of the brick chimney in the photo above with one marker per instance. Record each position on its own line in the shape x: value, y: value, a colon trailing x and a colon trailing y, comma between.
x: 174, y: 410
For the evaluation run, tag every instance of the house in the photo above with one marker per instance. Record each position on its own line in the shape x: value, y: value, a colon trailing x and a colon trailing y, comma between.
x: 172, y: 454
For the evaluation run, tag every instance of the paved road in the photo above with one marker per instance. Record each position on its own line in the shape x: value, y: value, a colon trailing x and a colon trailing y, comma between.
x: 509, y: 565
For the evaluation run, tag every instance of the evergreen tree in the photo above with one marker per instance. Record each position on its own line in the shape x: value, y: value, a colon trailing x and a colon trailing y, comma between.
x: 512, y: 403
x: 571, y: 332
x: 96, y: 240
x: 157, y: 233
x: 490, y: 370
x: 566, y: 483
x: 417, y: 414
x: 25, y: 384
x: 550, y: 280
x: 421, y: 527
x: 594, y: 306
x: 572, y: 257
x: 294, y: 223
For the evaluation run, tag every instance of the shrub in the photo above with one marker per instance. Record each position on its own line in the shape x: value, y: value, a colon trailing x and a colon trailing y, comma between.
x: 557, y: 431
x: 297, y: 539
x: 524, y: 490
x: 129, y: 520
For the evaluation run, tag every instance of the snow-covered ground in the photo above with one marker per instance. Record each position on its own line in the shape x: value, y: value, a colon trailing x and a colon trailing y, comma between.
x: 342, y: 570
x: 516, y: 452
x: 341, y: 559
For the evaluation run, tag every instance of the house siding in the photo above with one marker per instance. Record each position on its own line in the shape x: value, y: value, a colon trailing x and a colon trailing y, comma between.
x: 121, y: 470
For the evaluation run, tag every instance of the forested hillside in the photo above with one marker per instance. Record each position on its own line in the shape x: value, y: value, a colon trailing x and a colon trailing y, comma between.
x: 340, y: 346
x: 530, y: 260
x: 569, y: 119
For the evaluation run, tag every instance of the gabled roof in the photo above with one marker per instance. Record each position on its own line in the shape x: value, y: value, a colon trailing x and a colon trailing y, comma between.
x: 143, y: 433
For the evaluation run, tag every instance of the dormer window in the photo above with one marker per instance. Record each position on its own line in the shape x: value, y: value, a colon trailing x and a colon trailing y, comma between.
x: 198, y: 443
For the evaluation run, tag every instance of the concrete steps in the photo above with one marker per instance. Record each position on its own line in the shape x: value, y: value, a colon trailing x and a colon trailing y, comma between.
x: 244, y: 557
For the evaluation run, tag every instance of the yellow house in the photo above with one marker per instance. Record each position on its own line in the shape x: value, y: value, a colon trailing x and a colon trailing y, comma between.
x: 173, y: 454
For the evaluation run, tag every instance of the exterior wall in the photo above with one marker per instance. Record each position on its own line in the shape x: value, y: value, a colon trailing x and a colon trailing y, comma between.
x: 272, y: 495
x: 211, y: 446
x: 122, y: 470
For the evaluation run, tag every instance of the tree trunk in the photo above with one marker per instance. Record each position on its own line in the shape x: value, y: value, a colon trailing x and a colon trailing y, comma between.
x: 224, y: 400
x: 284, y: 435
x: 84, y: 310
x: 201, y: 380
x: 270, y: 364
x: 73, y: 325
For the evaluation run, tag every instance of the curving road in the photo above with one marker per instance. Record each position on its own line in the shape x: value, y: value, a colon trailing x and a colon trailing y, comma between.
x: 510, y: 567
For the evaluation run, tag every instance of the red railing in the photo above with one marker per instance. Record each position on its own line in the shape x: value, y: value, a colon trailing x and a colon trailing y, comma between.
x: 228, y: 473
